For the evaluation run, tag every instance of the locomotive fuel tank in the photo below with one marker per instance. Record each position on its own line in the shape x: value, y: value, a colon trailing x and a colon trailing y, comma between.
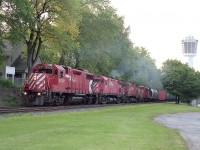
x: 77, y: 100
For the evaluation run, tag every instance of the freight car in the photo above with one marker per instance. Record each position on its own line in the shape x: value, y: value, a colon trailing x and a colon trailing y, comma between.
x: 51, y: 84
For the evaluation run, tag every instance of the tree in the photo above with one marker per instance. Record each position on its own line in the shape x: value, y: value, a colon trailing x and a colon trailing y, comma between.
x: 2, y: 56
x: 180, y: 79
x: 36, y: 22
x: 101, y: 34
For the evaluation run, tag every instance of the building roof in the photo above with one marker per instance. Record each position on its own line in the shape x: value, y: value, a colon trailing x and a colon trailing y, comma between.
x: 14, y: 58
x: 19, y: 64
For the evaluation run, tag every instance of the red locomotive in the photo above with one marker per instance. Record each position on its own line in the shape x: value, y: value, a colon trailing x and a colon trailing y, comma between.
x: 51, y: 84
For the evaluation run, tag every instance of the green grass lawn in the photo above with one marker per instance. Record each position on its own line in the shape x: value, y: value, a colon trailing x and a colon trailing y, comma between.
x: 115, y: 128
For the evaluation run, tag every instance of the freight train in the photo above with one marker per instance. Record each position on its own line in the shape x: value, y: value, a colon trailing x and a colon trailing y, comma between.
x: 51, y: 84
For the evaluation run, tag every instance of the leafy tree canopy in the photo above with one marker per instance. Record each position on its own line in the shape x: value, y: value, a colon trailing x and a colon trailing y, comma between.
x: 180, y: 79
x: 101, y: 30
x: 37, y: 23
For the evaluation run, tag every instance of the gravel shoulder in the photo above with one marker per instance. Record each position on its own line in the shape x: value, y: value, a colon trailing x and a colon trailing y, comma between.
x: 188, y: 124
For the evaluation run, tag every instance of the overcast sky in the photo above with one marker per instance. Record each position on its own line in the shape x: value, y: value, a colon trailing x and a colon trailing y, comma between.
x: 160, y: 25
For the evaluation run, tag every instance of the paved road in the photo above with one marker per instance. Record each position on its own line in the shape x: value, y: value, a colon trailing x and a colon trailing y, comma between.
x: 188, y: 125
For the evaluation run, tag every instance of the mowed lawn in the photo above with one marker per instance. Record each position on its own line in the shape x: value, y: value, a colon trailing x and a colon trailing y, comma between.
x: 115, y: 128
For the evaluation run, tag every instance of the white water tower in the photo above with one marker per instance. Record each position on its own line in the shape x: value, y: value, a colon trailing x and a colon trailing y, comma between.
x: 189, y: 49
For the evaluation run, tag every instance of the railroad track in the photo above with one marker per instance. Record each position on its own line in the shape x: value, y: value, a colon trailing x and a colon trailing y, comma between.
x: 10, y: 110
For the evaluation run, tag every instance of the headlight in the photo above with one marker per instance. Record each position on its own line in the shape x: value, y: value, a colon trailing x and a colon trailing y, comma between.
x: 34, y: 78
x: 25, y: 93
x: 39, y: 94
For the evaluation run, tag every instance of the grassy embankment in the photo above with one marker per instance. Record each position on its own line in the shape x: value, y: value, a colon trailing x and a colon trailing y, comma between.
x: 114, y: 128
x: 10, y: 93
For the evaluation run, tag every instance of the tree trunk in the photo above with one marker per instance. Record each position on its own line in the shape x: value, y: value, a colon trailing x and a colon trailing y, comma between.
x: 29, y: 61
x: 33, y: 49
x: 77, y: 57
x: 61, y: 61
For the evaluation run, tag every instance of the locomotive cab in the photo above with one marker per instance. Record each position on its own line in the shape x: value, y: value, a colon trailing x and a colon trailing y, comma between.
x: 38, y: 88
x: 35, y: 87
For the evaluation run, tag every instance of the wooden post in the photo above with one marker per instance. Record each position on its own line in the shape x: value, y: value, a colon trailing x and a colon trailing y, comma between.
x: 13, y: 78
x: 6, y: 76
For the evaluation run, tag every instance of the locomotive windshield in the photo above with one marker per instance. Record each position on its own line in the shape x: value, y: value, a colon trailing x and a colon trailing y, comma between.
x: 98, y: 80
x: 47, y: 71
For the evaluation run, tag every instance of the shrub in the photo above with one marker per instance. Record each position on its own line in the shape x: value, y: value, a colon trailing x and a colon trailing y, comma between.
x: 7, y: 84
x: 10, y: 93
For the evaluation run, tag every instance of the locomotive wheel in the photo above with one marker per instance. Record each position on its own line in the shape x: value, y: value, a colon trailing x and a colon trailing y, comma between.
x: 51, y: 103
x: 134, y: 100
x: 94, y: 100
x: 90, y: 100
x: 56, y: 101
x: 103, y: 100
x: 67, y: 100
x: 118, y: 101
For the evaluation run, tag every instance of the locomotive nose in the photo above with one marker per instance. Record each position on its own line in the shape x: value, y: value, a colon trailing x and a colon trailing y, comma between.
x: 37, y: 81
